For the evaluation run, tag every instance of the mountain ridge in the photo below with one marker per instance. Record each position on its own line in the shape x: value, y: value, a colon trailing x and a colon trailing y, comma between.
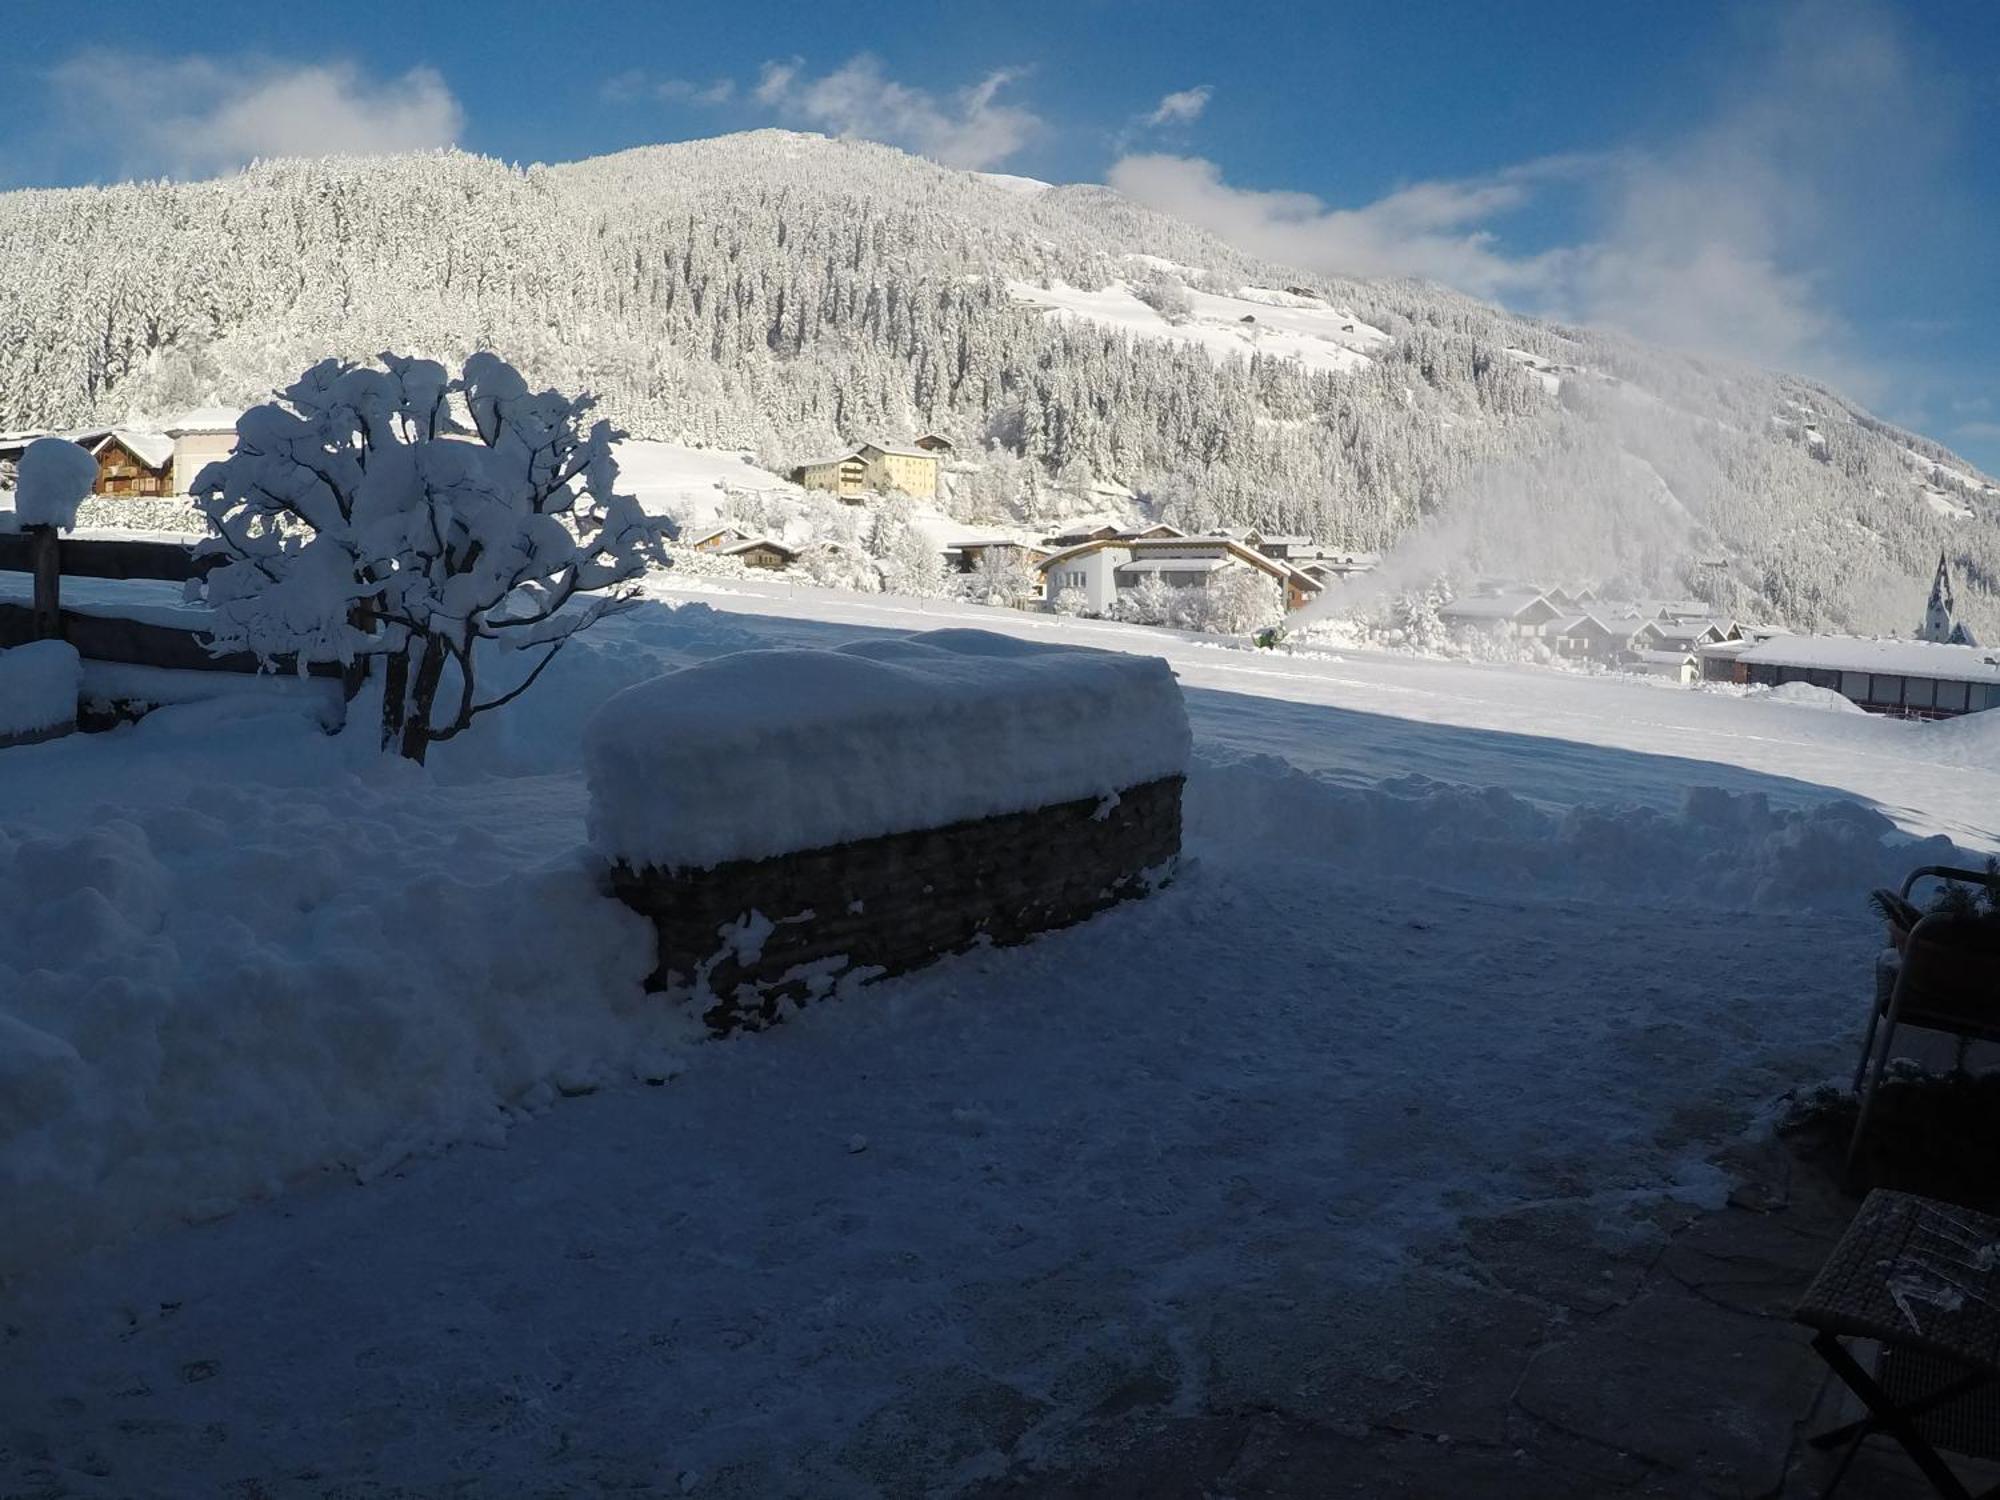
x: 784, y: 292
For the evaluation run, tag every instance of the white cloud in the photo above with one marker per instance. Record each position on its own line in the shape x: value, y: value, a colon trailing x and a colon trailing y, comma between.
x: 635, y: 85
x: 201, y: 115
x: 1727, y: 240
x: 1429, y: 230
x: 971, y: 128
x: 1181, y: 107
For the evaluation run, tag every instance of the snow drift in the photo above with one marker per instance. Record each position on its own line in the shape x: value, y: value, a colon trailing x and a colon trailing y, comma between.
x: 202, y: 999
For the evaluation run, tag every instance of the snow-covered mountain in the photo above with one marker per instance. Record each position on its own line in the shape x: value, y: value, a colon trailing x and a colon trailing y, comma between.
x: 786, y: 292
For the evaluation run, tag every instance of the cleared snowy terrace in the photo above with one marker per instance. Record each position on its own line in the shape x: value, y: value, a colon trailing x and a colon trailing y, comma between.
x: 1372, y: 1123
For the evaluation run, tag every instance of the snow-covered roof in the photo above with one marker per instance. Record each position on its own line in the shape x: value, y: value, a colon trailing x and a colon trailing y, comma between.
x: 1276, y: 566
x: 978, y: 543
x: 1188, y: 549
x: 1064, y: 554
x: 1176, y: 565
x: 1626, y: 625
x: 1849, y: 653
x: 153, y: 449
x: 1493, y: 606
x: 711, y: 533
x: 898, y: 449
x: 1574, y: 623
x: 831, y: 458
x: 202, y: 419
x: 1682, y: 630
x: 1663, y: 658
x: 757, y: 542
x: 14, y: 442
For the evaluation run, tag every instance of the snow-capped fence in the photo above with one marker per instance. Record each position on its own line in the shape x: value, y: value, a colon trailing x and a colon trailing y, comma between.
x: 796, y: 822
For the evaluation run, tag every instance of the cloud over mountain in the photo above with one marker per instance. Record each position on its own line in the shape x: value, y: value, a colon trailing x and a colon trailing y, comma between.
x: 199, y: 115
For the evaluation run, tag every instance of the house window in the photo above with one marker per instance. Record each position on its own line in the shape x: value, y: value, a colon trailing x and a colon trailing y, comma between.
x: 1951, y: 697
x: 1886, y: 690
x: 1854, y: 685
x: 1920, y: 692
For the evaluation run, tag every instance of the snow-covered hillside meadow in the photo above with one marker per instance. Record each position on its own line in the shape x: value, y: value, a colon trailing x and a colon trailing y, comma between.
x: 1251, y: 321
x: 785, y: 293
x: 340, y: 1137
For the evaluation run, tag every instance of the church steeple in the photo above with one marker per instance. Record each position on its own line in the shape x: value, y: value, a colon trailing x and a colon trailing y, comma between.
x: 1937, y: 615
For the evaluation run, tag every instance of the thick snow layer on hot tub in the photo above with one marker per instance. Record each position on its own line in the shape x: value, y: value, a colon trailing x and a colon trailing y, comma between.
x: 767, y: 752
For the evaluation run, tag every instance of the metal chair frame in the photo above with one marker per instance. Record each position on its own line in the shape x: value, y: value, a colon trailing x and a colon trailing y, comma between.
x: 1883, y: 1020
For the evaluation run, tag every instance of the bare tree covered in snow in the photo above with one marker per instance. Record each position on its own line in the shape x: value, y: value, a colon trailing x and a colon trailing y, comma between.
x: 998, y: 580
x: 1150, y: 603
x: 361, y: 519
x: 1239, y: 602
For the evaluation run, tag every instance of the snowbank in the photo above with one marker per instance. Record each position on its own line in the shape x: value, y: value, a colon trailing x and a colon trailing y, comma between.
x: 765, y: 752
x: 53, y: 477
x: 38, y: 688
x: 202, y: 1000
x: 1718, y: 849
x: 1807, y: 696
x: 1968, y: 740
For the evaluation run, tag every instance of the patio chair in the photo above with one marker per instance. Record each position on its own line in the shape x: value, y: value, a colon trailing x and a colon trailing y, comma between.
x: 1928, y: 984
x: 1920, y: 1280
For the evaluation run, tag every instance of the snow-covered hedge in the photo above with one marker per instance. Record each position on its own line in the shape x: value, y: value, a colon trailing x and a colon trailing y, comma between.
x: 766, y: 752
x: 172, y: 517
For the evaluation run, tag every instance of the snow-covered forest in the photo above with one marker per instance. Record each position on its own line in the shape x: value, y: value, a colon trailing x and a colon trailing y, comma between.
x: 787, y: 293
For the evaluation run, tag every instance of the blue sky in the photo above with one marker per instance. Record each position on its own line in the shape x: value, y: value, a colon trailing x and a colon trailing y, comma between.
x: 1801, y: 184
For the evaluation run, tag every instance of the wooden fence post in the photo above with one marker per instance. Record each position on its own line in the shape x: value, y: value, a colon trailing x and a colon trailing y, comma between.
x: 43, y: 548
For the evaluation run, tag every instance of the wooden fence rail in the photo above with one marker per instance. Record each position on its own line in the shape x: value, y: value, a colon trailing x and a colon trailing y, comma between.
x: 109, y: 637
x: 87, y: 557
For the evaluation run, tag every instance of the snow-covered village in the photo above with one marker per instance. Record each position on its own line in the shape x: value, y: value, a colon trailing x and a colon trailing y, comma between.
x: 858, y: 755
